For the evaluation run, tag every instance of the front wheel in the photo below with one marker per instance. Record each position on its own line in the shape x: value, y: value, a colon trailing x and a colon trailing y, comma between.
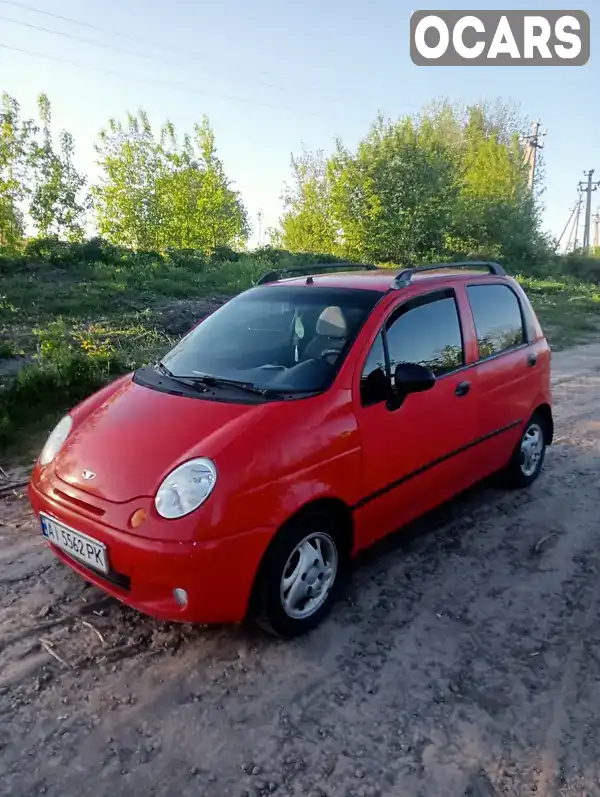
x: 528, y: 457
x: 299, y: 576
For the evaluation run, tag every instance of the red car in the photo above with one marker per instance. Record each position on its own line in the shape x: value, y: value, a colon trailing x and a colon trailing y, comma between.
x: 299, y: 423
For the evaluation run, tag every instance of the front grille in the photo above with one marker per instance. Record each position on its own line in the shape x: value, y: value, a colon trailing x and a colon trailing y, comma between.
x: 93, y: 510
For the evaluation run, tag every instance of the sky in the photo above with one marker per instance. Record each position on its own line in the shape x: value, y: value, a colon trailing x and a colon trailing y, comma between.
x: 277, y: 76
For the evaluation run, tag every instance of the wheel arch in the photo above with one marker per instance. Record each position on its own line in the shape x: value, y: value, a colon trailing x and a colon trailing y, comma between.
x: 325, y: 505
x: 545, y: 412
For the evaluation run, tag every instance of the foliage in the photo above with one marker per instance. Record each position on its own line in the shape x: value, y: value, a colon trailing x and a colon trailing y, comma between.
x: 446, y: 182
x: 158, y: 193
x: 14, y: 137
x: 34, y: 177
x: 583, y: 267
x: 307, y: 225
x: 55, y: 204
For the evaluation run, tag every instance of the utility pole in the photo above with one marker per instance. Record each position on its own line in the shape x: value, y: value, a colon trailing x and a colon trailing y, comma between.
x: 576, y: 226
x: 596, y: 221
x: 259, y: 216
x: 587, y: 188
x: 532, y: 144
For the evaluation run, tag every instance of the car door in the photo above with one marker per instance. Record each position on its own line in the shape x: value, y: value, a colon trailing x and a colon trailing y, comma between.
x: 507, y: 379
x: 418, y: 454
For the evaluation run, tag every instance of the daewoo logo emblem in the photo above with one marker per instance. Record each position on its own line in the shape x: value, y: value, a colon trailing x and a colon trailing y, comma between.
x: 88, y: 475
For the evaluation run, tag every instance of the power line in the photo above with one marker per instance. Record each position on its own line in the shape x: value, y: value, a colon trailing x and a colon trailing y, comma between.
x: 562, y: 235
x: 147, y: 56
x: 154, y: 44
x: 159, y: 81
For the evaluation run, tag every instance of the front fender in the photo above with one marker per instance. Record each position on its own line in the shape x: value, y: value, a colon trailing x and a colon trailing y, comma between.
x: 277, y: 501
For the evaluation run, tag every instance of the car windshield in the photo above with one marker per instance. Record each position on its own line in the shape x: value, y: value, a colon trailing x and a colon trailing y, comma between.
x: 276, y: 338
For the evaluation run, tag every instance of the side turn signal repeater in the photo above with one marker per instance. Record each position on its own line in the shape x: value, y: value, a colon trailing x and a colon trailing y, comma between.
x: 137, y: 518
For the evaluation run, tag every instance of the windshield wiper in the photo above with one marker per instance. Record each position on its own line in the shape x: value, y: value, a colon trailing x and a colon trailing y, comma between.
x: 267, y: 392
x: 218, y: 381
x: 162, y: 367
x: 187, y: 382
x: 209, y: 380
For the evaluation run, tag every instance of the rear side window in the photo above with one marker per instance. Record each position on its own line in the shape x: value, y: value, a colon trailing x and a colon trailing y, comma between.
x: 427, y: 331
x: 498, y: 318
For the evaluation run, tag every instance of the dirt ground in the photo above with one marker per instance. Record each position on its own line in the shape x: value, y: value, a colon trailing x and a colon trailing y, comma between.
x: 464, y: 659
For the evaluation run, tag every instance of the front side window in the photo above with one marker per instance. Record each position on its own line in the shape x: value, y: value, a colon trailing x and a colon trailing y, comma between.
x: 498, y: 319
x: 280, y: 338
x: 427, y: 331
x: 374, y: 378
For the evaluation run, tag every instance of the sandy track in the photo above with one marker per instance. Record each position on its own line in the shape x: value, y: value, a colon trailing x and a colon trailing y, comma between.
x: 464, y: 660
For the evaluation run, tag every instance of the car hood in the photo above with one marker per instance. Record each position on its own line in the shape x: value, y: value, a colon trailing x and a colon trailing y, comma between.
x: 135, y: 437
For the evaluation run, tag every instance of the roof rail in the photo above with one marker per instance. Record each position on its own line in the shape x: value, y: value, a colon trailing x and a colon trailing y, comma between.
x: 405, y: 276
x: 276, y: 274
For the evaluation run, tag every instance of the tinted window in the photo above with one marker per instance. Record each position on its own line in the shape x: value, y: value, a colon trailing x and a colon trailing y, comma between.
x: 374, y: 380
x: 282, y: 337
x: 429, y: 334
x: 375, y: 358
x: 498, y: 319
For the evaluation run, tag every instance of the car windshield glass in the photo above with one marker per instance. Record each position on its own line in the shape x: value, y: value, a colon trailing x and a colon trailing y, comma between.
x: 279, y: 338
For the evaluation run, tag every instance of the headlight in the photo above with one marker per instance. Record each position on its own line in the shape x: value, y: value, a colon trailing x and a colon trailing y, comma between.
x: 56, y: 440
x: 185, y: 488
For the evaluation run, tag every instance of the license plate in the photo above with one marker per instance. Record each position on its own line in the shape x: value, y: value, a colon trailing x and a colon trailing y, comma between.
x: 76, y: 544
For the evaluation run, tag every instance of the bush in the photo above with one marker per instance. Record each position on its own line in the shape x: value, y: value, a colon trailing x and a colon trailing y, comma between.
x: 67, y: 368
x: 193, y: 259
x: 220, y: 254
x: 50, y: 250
x: 98, y: 250
x: 583, y: 267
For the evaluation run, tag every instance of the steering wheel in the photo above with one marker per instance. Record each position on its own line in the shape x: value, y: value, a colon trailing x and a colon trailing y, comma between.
x: 329, y: 352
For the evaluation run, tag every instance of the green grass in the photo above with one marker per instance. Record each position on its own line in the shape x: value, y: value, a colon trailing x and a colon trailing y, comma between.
x: 86, y: 323
x: 81, y: 323
x: 568, y: 310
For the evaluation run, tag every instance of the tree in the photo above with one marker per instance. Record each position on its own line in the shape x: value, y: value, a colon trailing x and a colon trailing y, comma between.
x: 157, y: 192
x: 495, y: 210
x: 56, y: 206
x: 125, y: 198
x: 15, y: 136
x: 202, y: 211
x: 393, y: 197
x: 306, y: 224
x: 449, y: 181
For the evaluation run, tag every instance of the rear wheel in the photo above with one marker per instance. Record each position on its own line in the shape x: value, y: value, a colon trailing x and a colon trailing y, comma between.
x: 528, y: 457
x: 299, y: 576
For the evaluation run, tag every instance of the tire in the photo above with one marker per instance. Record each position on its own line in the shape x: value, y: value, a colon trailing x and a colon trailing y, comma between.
x: 293, y: 562
x: 525, y: 465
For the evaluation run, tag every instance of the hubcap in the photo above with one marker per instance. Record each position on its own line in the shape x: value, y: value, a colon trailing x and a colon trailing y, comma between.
x: 532, y: 446
x: 308, y: 575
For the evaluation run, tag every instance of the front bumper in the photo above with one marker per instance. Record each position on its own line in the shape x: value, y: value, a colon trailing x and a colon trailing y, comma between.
x: 216, y: 574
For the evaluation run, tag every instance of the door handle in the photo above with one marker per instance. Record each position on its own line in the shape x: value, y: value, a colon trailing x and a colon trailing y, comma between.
x: 462, y: 389
x: 532, y: 359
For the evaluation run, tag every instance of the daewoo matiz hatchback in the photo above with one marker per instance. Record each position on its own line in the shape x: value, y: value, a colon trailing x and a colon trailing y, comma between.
x: 299, y: 423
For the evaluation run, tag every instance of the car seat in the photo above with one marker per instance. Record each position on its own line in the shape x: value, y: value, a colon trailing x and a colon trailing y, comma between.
x: 331, y: 332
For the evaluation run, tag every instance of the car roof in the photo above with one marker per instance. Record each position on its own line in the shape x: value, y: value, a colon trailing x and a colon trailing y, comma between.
x: 380, y: 279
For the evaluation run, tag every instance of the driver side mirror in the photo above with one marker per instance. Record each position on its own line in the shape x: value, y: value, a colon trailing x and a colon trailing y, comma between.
x: 413, y: 378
